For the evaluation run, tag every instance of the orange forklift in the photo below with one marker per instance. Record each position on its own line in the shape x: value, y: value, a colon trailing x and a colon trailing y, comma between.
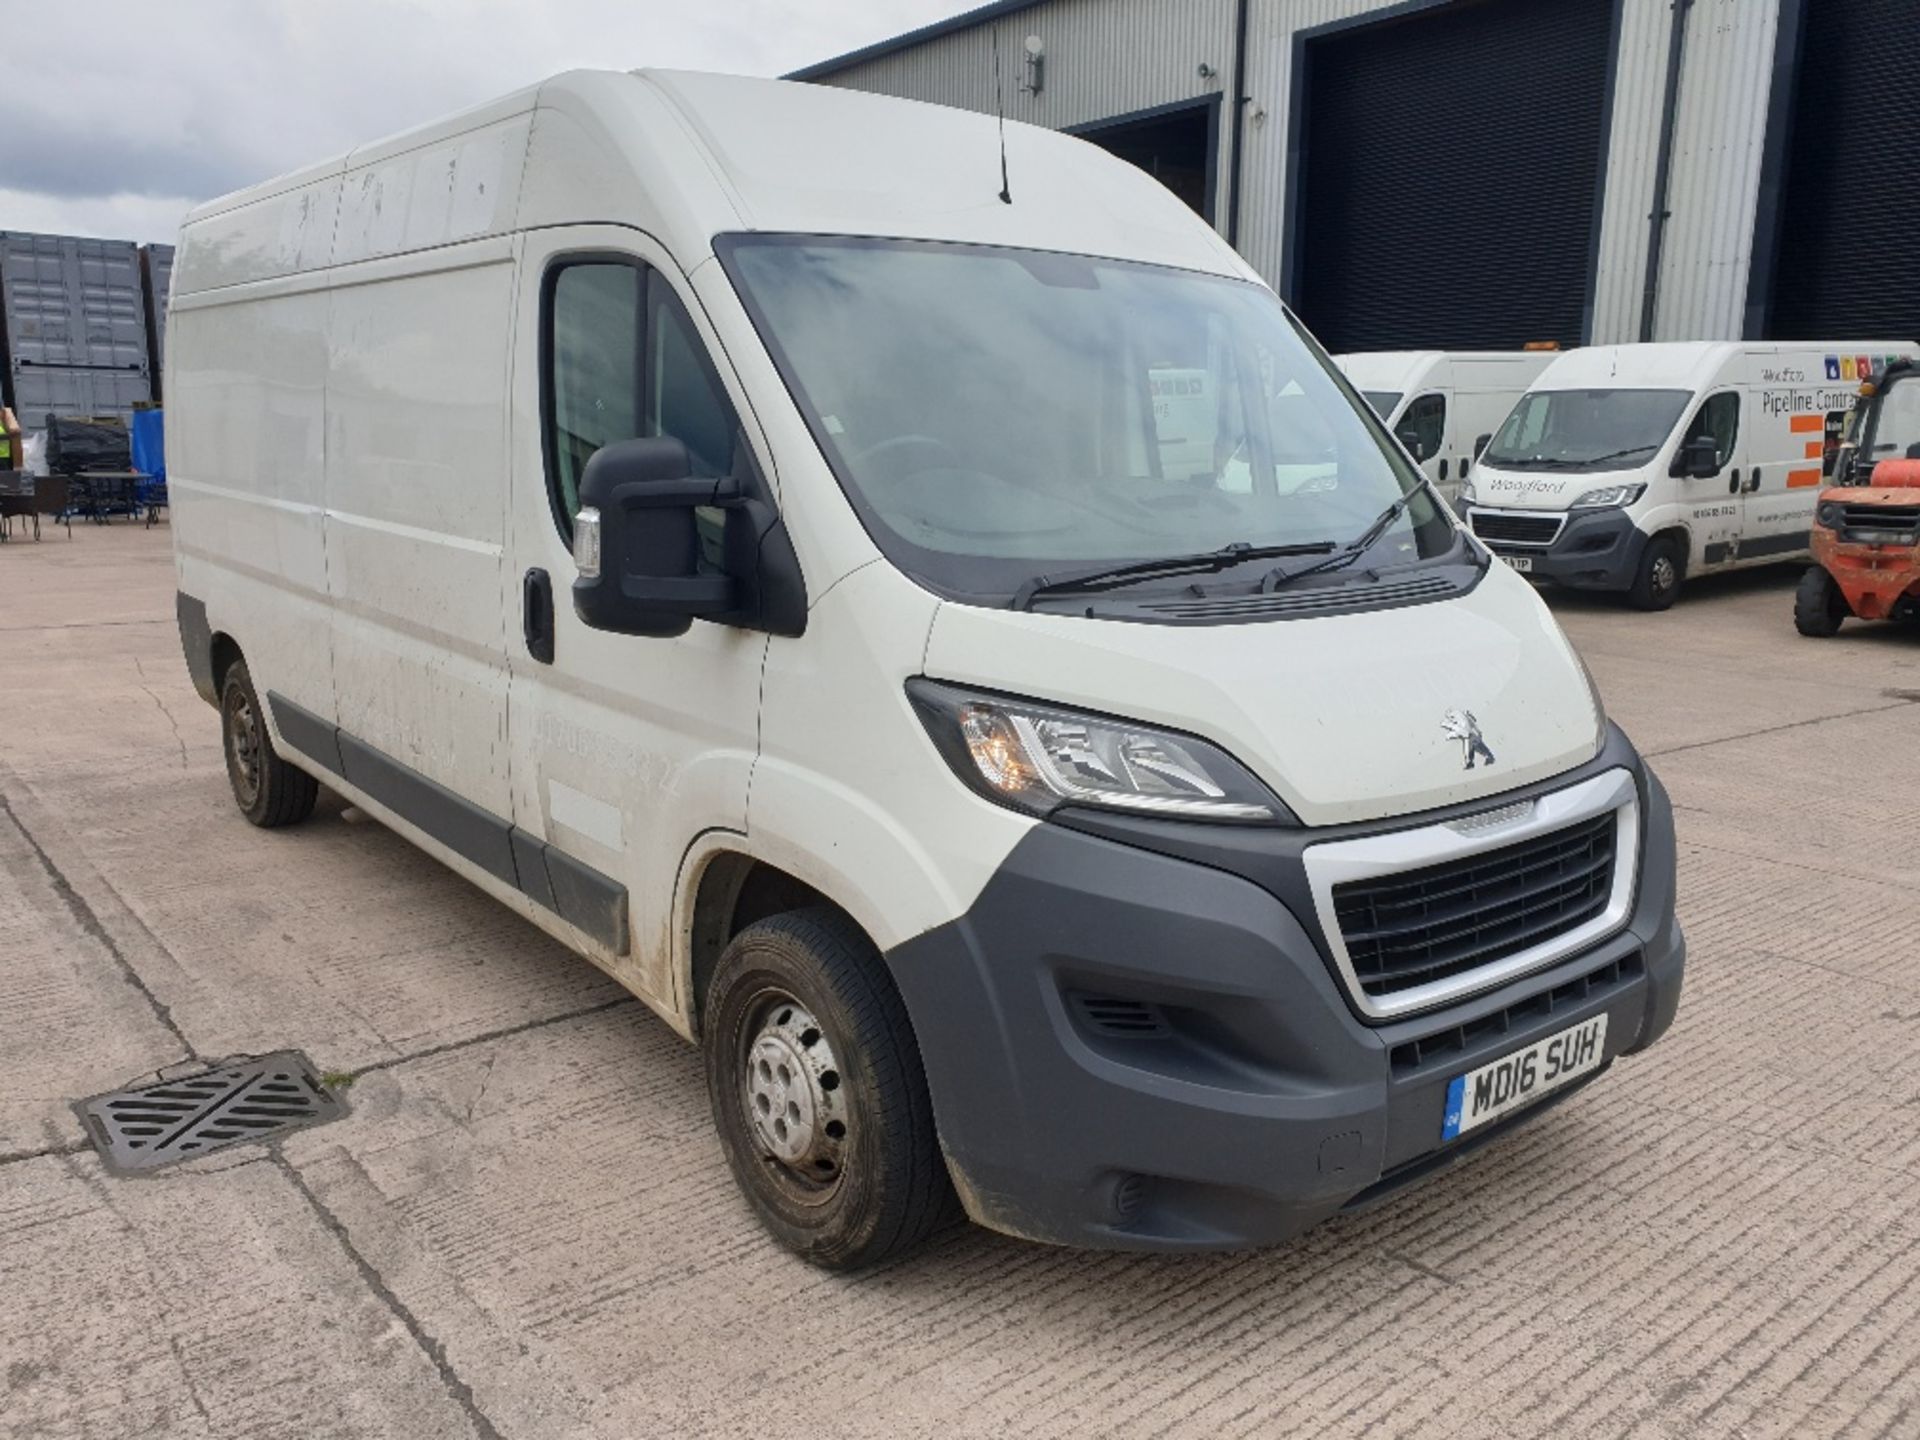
x: 1866, y: 527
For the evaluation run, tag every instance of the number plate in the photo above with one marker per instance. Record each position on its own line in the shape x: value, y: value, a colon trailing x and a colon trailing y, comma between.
x: 1522, y: 563
x: 1517, y: 1080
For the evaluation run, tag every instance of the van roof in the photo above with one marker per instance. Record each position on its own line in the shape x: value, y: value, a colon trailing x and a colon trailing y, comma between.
x: 1682, y: 364
x: 688, y: 156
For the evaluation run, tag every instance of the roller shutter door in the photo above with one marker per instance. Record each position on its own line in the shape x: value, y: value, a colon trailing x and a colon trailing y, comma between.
x: 1449, y: 175
x: 1848, y: 266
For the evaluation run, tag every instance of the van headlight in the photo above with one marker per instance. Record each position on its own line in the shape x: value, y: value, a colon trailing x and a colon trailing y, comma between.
x: 1036, y: 758
x: 1609, y: 495
x: 1467, y: 495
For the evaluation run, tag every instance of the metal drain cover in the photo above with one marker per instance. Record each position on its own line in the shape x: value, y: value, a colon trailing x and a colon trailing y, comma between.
x: 167, y: 1121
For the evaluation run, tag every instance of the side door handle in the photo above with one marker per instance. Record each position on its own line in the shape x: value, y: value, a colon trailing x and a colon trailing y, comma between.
x: 1753, y: 480
x: 536, y: 614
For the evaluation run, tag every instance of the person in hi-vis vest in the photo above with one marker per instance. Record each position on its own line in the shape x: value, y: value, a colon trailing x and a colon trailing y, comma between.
x: 11, y: 448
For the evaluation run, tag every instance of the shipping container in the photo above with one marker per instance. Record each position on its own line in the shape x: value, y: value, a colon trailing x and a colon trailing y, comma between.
x: 70, y: 304
x: 40, y: 390
x: 156, y: 276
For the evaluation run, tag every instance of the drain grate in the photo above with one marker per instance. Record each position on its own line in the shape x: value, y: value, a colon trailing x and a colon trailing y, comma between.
x: 167, y: 1121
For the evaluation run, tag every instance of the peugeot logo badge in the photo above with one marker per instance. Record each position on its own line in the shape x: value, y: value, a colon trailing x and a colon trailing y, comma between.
x: 1460, y: 725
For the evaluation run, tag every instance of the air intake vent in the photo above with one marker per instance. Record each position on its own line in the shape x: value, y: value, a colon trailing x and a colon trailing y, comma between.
x: 147, y: 1126
x: 1123, y: 1019
x: 1291, y: 604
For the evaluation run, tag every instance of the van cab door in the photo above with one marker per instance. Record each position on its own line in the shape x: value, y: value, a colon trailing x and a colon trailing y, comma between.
x: 1422, y: 428
x: 625, y: 748
x: 1713, y: 499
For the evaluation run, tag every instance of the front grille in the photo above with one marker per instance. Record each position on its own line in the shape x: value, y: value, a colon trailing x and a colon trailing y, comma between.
x: 1899, y: 522
x: 1413, y: 927
x: 1517, y: 529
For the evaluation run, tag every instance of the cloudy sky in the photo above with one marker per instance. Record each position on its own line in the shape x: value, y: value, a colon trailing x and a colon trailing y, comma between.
x: 156, y: 106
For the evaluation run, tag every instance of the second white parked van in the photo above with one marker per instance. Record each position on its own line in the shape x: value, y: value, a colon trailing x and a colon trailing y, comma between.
x: 1444, y: 405
x: 731, y: 523
x: 1630, y: 467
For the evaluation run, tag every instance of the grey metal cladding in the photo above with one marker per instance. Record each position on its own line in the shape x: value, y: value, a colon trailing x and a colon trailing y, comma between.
x: 585, y: 898
x: 303, y: 729
x: 196, y: 643
x: 457, y: 823
x: 530, y: 861
x: 579, y: 894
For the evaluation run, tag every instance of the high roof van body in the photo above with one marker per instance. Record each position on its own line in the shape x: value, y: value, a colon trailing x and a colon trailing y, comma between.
x: 1631, y: 467
x: 746, y: 528
x: 1444, y: 404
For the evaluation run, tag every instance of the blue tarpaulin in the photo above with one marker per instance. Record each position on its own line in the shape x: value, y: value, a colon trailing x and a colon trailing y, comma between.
x: 148, y: 435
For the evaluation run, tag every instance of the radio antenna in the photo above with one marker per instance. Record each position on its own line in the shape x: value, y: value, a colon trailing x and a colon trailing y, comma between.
x: 1000, y: 108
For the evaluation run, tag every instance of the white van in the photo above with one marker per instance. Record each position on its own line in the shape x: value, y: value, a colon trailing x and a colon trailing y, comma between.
x: 710, y: 517
x: 1630, y: 467
x: 1444, y: 405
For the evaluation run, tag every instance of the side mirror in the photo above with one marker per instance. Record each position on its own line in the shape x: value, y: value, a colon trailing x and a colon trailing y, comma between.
x: 1698, y: 458
x: 636, y: 545
x: 1480, y: 445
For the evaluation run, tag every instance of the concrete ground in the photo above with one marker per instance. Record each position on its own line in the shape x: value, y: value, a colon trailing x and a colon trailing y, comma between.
x: 525, y: 1228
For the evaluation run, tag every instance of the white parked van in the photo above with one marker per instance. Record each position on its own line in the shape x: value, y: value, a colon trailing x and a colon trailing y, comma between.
x: 1630, y: 467
x: 719, y: 521
x: 1444, y: 405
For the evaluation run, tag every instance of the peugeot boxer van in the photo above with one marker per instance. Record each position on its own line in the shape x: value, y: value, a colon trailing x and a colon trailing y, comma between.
x: 731, y: 523
x: 1631, y: 467
x: 1444, y: 405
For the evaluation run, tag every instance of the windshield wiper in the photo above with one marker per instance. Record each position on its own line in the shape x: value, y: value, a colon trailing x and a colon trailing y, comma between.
x: 1107, y: 577
x: 1347, y: 553
x: 1561, y: 462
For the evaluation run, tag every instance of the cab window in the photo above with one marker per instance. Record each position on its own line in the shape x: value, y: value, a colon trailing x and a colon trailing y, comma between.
x: 1718, y: 418
x: 1423, y: 425
x: 594, y: 331
x: 623, y: 362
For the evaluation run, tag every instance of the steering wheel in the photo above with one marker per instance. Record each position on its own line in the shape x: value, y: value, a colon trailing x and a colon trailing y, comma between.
x: 903, y: 442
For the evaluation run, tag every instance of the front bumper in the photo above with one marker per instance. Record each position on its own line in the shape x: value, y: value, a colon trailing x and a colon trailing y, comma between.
x: 1130, y: 1049
x: 1595, y: 550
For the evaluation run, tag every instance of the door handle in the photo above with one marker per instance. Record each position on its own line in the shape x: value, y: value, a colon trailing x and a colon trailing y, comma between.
x: 1443, y: 469
x: 1733, y: 485
x: 1753, y: 480
x: 536, y: 614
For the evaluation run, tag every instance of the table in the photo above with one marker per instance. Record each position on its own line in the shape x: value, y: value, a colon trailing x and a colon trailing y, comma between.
x: 29, y: 497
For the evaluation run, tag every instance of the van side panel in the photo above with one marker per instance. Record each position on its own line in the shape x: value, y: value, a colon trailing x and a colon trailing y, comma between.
x: 245, y: 467
x: 416, y: 482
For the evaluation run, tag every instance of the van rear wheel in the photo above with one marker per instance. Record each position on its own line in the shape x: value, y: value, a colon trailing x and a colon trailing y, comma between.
x: 819, y: 1094
x: 1819, y: 605
x: 268, y: 790
x: 1656, y: 584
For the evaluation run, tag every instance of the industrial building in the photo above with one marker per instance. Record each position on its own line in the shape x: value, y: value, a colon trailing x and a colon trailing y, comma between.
x: 1489, y: 173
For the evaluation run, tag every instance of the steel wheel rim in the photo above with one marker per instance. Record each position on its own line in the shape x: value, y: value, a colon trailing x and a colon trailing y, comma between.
x: 243, y: 747
x: 789, y: 1085
x: 1663, y: 574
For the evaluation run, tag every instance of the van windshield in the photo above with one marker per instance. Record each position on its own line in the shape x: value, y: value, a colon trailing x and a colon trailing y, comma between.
x: 997, y: 414
x: 1585, y: 429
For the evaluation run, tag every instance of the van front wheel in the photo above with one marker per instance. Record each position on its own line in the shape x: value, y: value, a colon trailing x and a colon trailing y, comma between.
x: 267, y: 789
x: 819, y: 1094
x: 1663, y: 565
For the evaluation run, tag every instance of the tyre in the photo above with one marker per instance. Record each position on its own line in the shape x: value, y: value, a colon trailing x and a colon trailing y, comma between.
x: 1656, y: 584
x: 819, y: 1094
x: 1819, y: 605
x: 268, y: 790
